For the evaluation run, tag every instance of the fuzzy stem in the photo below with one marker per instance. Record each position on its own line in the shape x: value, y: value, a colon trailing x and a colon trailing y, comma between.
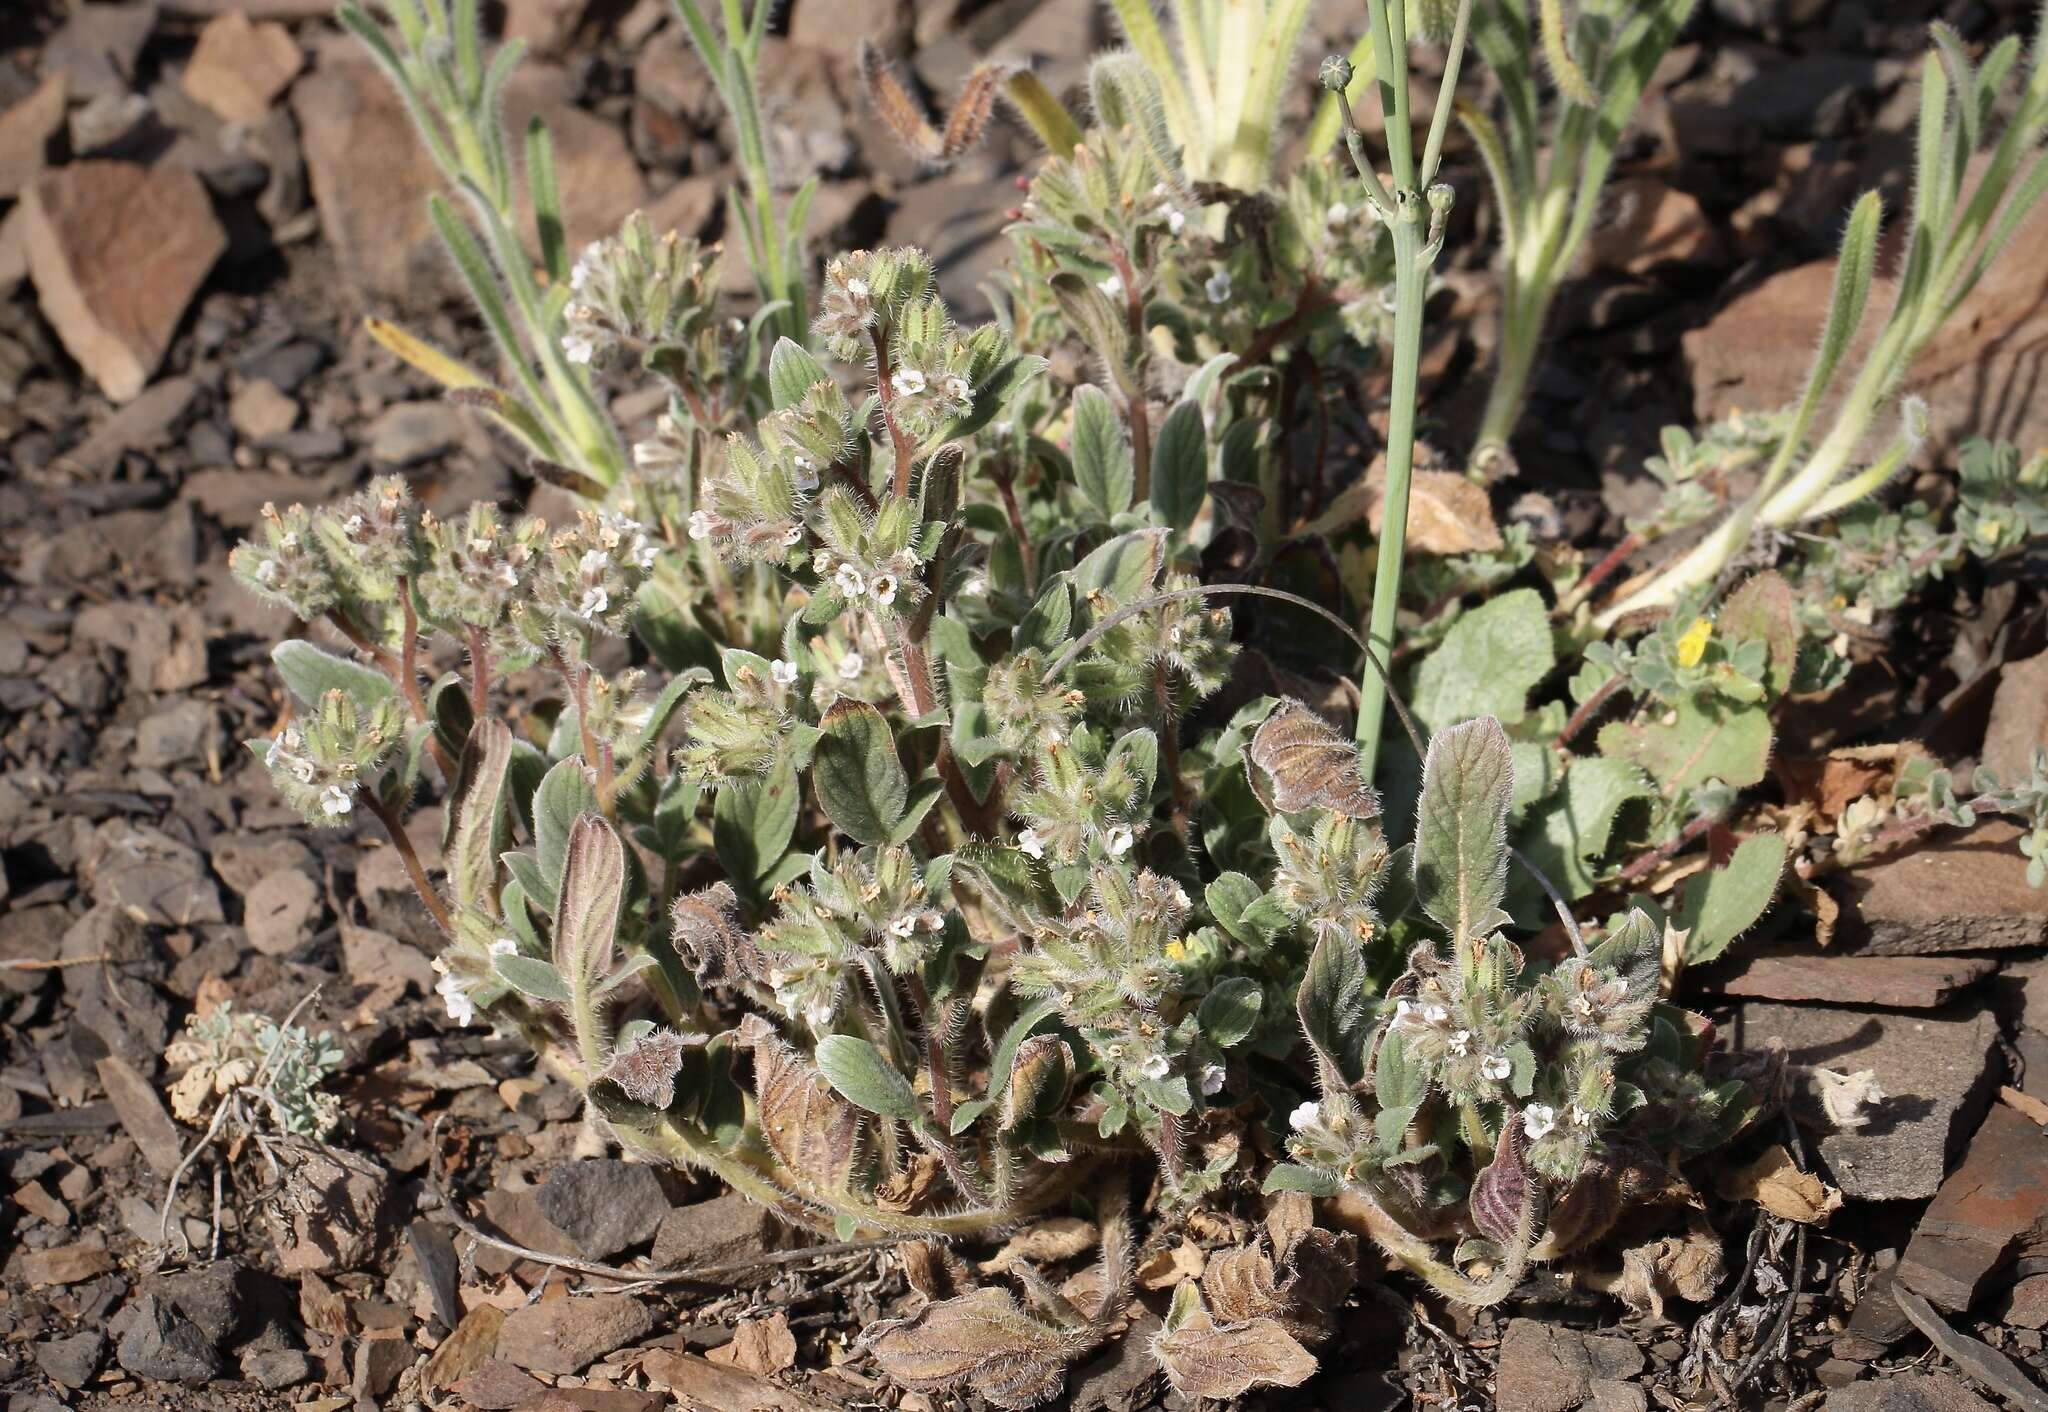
x: 885, y: 391
x: 394, y: 827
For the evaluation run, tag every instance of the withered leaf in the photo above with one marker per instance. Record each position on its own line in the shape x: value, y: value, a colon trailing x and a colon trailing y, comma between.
x: 1311, y: 764
x: 905, y: 119
x: 981, y: 1339
x: 708, y: 940
x: 1204, y: 1359
x: 813, y: 1132
x: 587, y: 911
x: 1585, y: 1211
x: 1501, y: 1193
x: 1689, y: 1267
x: 1301, y: 1287
x: 1447, y: 512
x: 646, y: 1069
x: 1775, y: 1183
x: 932, y: 1269
x: 1058, y: 1238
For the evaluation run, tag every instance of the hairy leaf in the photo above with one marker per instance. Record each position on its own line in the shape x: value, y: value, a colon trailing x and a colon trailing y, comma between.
x: 1335, y: 1015
x: 587, y: 911
x: 1230, y: 1010
x: 1205, y: 1359
x: 1102, y: 458
x: 1311, y: 764
x: 1701, y: 740
x: 859, y: 1074
x: 752, y: 822
x: 814, y: 1133
x: 564, y: 796
x: 1461, y: 855
x: 483, y: 824
x: 982, y: 1340
x: 646, y: 1068
x: 311, y: 673
x: 1180, y: 466
x: 1722, y: 904
x: 1487, y: 663
x: 1762, y: 610
x: 859, y: 777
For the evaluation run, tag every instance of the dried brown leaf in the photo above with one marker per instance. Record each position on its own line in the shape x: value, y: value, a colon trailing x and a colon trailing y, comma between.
x: 1775, y: 1183
x: 1205, y: 1359
x: 1311, y: 764
x: 932, y: 1269
x: 1448, y: 513
x: 1060, y: 1238
x: 1301, y: 1287
x: 646, y: 1069
x: 813, y: 1132
x: 1167, y: 1268
x: 1501, y: 1193
x: 983, y: 1340
x: 1690, y: 1267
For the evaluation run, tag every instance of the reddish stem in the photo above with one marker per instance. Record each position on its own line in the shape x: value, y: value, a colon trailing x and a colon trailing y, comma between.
x: 395, y: 828
x: 885, y: 391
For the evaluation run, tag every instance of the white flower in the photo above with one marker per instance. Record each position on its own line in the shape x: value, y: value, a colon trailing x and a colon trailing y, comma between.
x: 1120, y: 840
x: 806, y: 478
x: 504, y: 946
x: 1218, y: 287
x: 1435, y: 1014
x: 908, y: 382
x: 266, y: 572
x: 461, y: 1009
x: 593, y: 563
x: 302, y: 771
x: 586, y: 265
x: 1212, y: 1080
x: 1580, y: 1117
x: 1538, y: 1119
x: 1157, y: 1067
x: 958, y: 388
x: 1305, y: 1117
x: 1113, y: 286
x: 507, y: 576
x: 1495, y: 1066
x: 850, y: 583
x: 1338, y: 216
x: 644, y: 552
x: 595, y: 601
x: 783, y: 671
x: 793, y: 536
x: 578, y: 346
x: 932, y: 920
x: 903, y: 927
x: 335, y: 801
x: 1582, y: 1006
x: 885, y: 589
x: 700, y: 524
x: 290, y: 538
x: 352, y: 526
x: 857, y: 287
x: 1031, y: 843
x: 849, y: 666
x: 1181, y: 899
x: 1175, y: 218
x: 1461, y: 1043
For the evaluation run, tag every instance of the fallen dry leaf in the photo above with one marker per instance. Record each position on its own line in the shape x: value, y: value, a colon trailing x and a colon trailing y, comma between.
x: 1061, y: 1238
x: 982, y: 1339
x: 1447, y: 513
x: 1775, y: 1183
x: 1169, y: 1267
x: 1206, y: 1359
x: 1688, y: 1267
x: 761, y: 1346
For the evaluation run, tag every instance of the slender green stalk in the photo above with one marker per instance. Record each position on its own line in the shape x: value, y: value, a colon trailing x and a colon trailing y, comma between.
x: 1413, y: 201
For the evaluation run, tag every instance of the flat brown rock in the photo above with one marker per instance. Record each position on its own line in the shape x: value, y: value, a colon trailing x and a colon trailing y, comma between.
x: 1893, y: 982
x: 117, y: 251
x: 25, y: 133
x: 2019, y: 716
x: 1936, y: 1068
x: 1966, y: 892
x: 1991, y: 1212
x: 568, y: 1335
x: 238, y: 68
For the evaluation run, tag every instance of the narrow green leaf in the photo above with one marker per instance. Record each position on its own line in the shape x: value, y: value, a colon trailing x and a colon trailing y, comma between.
x: 311, y: 673
x: 1461, y: 855
x: 547, y: 199
x: 587, y: 910
x: 792, y: 372
x: 564, y: 795
x: 1335, y: 1014
x: 533, y: 978
x: 1102, y: 458
x: 1180, y: 466
x: 752, y: 823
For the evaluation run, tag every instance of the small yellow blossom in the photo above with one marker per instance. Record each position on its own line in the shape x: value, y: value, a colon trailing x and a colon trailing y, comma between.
x: 1693, y: 645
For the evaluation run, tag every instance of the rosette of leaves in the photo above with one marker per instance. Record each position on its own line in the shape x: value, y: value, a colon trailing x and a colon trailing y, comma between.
x: 1485, y: 1088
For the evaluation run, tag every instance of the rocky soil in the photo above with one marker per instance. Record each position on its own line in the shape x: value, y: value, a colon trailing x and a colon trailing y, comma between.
x: 198, y: 204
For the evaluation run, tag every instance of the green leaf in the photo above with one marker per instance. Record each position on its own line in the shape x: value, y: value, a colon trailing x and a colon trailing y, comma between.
x: 792, y: 372
x: 1102, y: 458
x: 587, y: 911
x: 533, y: 978
x: 923, y: 795
x: 1721, y: 905
x: 311, y: 673
x: 1461, y: 851
x: 752, y: 823
x: 1853, y: 273
x: 1569, y: 837
x: 860, y: 1075
x: 1102, y: 325
x: 1398, y: 1081
x: 1124, y: 569
x: 1230, y: 1010
x: 564, y: 795
x: 1335, y: 1015
x: 1168, y: 1095
x: 857, y: 773
x: 1229, y: 897
x: 1702, y: 740
x: 1180, y: 466
x: 1487, y: 663
x: 1003, y: 1059
x: 1049, y: 622
x: 1292, y: 1176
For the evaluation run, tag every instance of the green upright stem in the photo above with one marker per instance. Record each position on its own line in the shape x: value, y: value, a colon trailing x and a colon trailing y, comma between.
x: 1411, y: 278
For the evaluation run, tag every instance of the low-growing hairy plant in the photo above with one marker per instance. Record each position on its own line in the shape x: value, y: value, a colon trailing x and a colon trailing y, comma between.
x: 890, y: 792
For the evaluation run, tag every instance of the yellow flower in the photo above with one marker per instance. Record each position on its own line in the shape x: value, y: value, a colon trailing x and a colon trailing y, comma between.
x: 1176, y: 951
x: 1693, y: 645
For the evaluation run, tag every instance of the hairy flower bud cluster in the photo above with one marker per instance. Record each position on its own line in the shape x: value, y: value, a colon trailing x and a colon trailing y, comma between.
x: 589, y: 576
x: 1085, y: 804
x: 1326, y: 872
x: 863, y: 292
x: 475, y: 566
x: 655, y: 294
x: 321, y: 760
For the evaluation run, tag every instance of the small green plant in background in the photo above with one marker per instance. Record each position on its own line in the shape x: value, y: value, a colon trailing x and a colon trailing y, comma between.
x: 1547, y: 179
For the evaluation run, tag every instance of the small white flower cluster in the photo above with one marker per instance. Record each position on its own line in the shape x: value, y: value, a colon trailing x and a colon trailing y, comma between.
x: 287, y: 755
x: 460, y: 995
